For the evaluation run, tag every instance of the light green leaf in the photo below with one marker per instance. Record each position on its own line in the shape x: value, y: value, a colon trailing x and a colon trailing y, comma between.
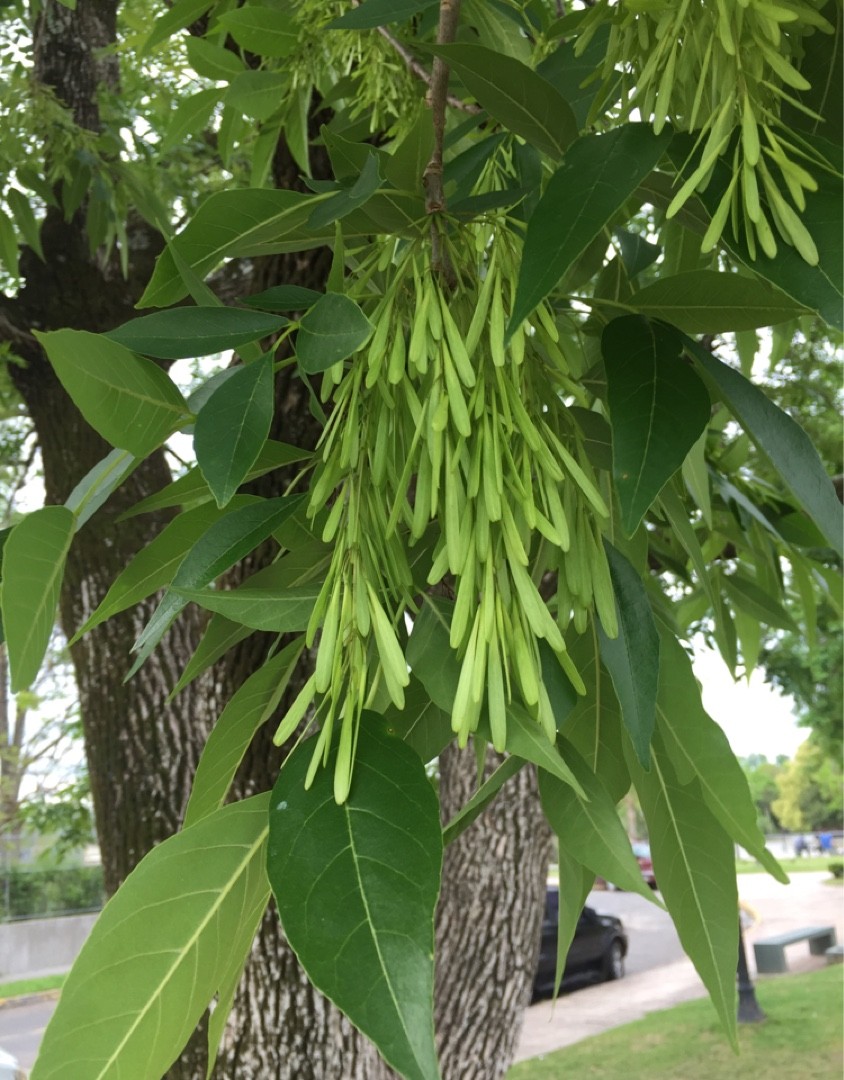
x: 192, y: 488
x: 781, y: 440
x: 421, y: 723
x: 282, y: 610
x: 372, y: 13
x: 99, y: 483
x: 153, y: 567
x: 220, y: 635
x: 527, y: 740
x: 514, y: 95
x: 129, y: 400
x: 213, y: 60
x: 262, y: 30
x: 33, y: 567
x: 697, y: 746
x: 232, y: 427
x: 594, y: 725
x: 195, y: 331
x: 356, y: 886
x: 658, y: 408
x: 180, y: 15
x: 575, y: 885
x: 485, y: 794
x: 191, y: 115
x: 590, y: 826
x: 163, y: 946
x: 27, y: 223
x: 8, y: 244
x: 333, y: 329
x: 431, y: 658
x: 257, y: 94
x: 632, y: 658
x: 349, y: 199
x: 694, y: 863
x: 598, y: 175
x: 696, y: 477
x: 756, y: 602
x: 709, y: 302
x: 251, y: 706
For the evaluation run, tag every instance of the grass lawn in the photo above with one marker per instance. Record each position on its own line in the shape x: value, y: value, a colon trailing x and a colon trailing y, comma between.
x: 30, y: 986
x: 800, y: 1040
x: 791, y: 866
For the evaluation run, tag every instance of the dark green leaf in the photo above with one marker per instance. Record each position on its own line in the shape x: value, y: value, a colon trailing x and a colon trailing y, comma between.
x: 130, y: 401
x: 33, y: 568
x: 257, y: 94
x: 283, y: 610
x: 708, y: 302
x: 658, y: 408
x: 514, y: 95
x: 168, y: 940
x: 356, y: 886
x: 637, y: 253
x: 698, y: 747
x: 431, y: 658
x: 213, y: 61
x: 232, y: 427
x: 783, y: 442
x: 251, y: 706
x: 597, y: 436
x: 561, y: 693
x: 349, y: 199
x: 333, y: 329
x: 694, y: 863
x: 751, y: 598
x: 284, y: 298
x: 632, y: 658
x: 568, y: 72
x: 181, y: 14
x: 598, y: 175
x: 372, y: 13
x: 421, y: 723
x: 575, y: 885
x: 482, y: 798
x: 406, y: 164
x: 194, y: 331
x: 190, y: 118
x: 261, y: 30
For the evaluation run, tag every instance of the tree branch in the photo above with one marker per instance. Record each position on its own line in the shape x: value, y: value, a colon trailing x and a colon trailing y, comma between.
x: 421, y: 72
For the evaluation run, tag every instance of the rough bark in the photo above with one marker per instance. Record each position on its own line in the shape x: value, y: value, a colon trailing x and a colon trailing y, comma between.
x: 488, y: 920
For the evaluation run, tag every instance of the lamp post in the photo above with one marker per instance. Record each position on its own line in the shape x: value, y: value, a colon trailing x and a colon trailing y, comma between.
x: 749, y: 1010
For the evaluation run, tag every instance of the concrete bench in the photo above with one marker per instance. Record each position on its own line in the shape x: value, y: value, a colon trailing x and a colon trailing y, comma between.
x: 770, y: 952
x: 835, y: 954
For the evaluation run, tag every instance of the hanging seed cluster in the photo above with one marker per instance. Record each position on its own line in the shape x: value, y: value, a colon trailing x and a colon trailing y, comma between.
x: 723, y: 69
x: 442, y: 435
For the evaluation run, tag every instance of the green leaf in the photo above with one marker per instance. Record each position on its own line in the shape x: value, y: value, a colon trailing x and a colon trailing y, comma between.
x: 33, y: 566
x: 130, y: 401
x: 575, y: 885
x: 191, y: 115
x: 192, y: 488
x: 180, y: 15
x: 756, y: 602
x: 527, y: 740
x: 594, y: 725
x: 698, y: 747
x: 232, y: 427
x: 598, y: 175
x: 261, y: 30
x: 99, y: 483
x: 514, y: 95
x: 220, y: 635
x: 213, y: 60
x: 232, y: 224
x: 372, y: 13
x: 658, y: 408
x: 694, y: 863
x: 708, y: 302
x: 333, y: 329
x: 485, y: 794
x: 356, y: 886
x: 257, y: 94
x: 421, y: 723
x: 284, y: 298
x: 406, y: 164
x: 349, y: 199
x: 8, y: 244
x: 154, y: 565
x: 590, y: 826
x: 571, y: 73
x: 251, y: 706
x: 223, y: 544
x: 186, y: 332
x: 25, y: 219
x: 282, y: 610
x: 163, y: 946
x: 781, y: 440
x: 632, y: 658
x: 429, y: 655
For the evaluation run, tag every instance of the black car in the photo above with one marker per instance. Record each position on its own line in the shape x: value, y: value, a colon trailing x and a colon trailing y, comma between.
x: 599, y: 946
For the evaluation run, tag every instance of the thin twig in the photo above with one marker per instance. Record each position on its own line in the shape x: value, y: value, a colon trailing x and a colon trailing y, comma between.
x: 421, y: 72
x: 432, y: 178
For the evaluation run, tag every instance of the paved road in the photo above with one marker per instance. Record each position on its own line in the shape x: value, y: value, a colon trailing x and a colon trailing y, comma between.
x: 658, y: 974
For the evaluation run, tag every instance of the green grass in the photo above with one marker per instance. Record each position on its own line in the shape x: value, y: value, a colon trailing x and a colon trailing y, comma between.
x: 800, y: 1040
x: 31, y: 986
x: 791, y: 866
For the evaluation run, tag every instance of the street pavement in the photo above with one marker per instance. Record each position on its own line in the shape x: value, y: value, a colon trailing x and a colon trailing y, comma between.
x: 658, y: 974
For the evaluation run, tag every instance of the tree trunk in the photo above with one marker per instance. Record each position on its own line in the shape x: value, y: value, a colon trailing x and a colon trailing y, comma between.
x: 488, y: 920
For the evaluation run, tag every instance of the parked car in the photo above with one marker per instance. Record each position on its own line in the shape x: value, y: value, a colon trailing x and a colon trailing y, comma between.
x: 9, y: 1067
x: 642, y: 851
x: 598, y: 948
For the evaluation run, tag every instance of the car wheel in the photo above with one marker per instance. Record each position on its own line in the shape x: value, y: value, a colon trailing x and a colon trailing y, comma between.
x: 614, y: 961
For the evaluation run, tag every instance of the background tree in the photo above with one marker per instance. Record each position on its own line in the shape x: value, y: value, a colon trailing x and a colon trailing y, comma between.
x: 763, y: 779
x: 810, y: 791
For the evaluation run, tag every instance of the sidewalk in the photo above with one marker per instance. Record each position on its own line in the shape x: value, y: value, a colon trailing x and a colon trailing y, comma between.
x: 806, y: 901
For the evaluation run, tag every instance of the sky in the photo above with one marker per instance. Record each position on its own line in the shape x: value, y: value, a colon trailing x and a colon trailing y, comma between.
x: 756, y: 718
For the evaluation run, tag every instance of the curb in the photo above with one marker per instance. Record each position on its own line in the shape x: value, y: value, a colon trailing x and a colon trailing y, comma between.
x: 29, y: 999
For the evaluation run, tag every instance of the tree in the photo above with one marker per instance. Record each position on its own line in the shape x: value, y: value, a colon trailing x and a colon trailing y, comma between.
x: 763, y: 780
x: 810, y: 796
x: 550, y: 490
